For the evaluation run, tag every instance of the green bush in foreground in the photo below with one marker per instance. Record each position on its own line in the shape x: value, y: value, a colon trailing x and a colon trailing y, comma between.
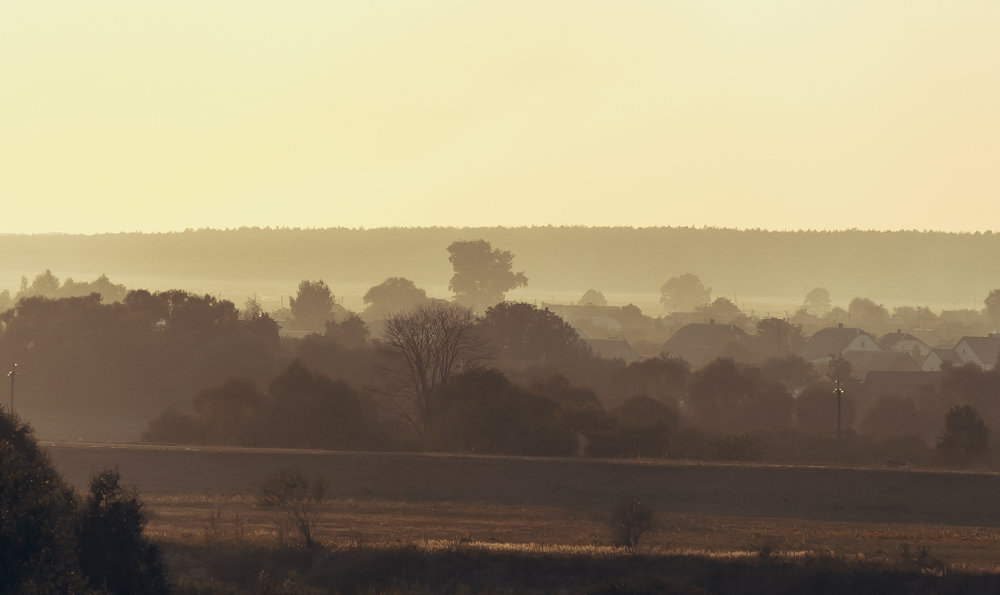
x: 49, y: 545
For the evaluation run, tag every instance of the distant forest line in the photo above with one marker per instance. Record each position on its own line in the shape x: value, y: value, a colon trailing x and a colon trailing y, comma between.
x: 947, y: 269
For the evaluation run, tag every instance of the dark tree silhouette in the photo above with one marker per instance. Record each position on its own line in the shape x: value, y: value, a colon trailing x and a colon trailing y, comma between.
x: 817, y: 301
x: 592, y: 297
x: 868, y: 315
x: 792, y: 371
x: 225, y: 407
x: 114, y: 553
x: 728, y: 398
x: 312, y: 306
x: 684, y: 293
x: 723, y: 311
x: 37, y: 542
x: 350, y: 333
x: 645, y: 426
x: 422, y: 349
x: 664, y: 378
x: 992, y: 303
x: 48, y: 285
x: 965, y: 438
x: 45, y: 284
x: 482, y: 411
x: 524, y: 334
x: 395, y: 294
x: 777, y: 338
x: 310, y: 410
x: 483, y: 275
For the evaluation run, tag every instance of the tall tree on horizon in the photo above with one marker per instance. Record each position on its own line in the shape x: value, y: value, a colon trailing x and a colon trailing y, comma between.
x: 483, y: 275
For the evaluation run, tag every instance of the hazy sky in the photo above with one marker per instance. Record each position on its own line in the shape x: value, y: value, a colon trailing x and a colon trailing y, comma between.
x: 117, y: 115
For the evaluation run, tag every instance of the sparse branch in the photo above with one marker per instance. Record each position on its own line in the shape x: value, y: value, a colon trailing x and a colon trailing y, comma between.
x: 422, y: 349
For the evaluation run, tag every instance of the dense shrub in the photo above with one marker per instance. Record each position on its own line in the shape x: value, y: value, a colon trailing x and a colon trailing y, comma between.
x: 37, y: 514
x: 114, y: 554
x: 48, y: 545
x: 965, y: 438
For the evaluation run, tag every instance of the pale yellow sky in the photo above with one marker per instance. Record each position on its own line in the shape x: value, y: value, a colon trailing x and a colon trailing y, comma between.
x: 118, y: 115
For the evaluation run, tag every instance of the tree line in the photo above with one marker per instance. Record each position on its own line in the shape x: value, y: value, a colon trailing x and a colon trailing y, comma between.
x: 474, y: 374
x: 928, y: 267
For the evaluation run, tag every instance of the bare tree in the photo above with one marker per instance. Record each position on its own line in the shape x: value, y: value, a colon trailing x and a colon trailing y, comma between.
x: 298, y: 496
x: 423, y: 348
x: 631, y: 520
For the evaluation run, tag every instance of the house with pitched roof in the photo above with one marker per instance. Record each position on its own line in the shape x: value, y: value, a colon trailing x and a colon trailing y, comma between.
x: 700, y: 343
x: 938, y: 356
x: 982, y: 351
x: 906, y: 343
x: 863, y: 362
x: 613, y: 349
x: 829, y: 343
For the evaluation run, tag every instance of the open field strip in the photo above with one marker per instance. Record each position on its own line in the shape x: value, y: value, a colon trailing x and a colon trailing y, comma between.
x: 442, y: 501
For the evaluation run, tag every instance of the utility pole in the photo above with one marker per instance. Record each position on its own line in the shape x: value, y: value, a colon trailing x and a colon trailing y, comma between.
x: 13, y: 373
x: 840, y: 393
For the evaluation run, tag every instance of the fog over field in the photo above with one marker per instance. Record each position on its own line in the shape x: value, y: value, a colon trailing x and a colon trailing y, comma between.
x: 763, y: 271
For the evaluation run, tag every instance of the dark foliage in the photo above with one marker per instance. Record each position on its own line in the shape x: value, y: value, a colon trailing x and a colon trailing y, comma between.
x: 302, y: 409
x: 37, y: 513
x: 114, y: 554
x: 48, y: 545
x: 644, y: 429
x: 136, y: 357
x: 483, y: 412
x: 965, y: 438
x: 408, y: 569
x: 729, y: 398
x: 524, y: 335
x: 483, y: 274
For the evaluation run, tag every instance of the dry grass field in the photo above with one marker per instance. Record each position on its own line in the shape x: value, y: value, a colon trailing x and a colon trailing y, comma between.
x: 206, y: 493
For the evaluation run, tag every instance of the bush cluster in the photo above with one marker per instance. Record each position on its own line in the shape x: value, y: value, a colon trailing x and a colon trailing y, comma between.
x: 50, y: 542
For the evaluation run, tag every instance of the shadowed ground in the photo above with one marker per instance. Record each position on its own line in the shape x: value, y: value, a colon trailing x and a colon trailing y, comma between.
x: 763, y: 491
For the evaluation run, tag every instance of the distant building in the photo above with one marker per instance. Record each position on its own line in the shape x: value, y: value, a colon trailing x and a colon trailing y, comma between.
x: 865, y: 361
x: 938, y: 356
x: 832, y: 342
x: 906, y: 343
x: 701, y: 343
x: 607, y: 322
x: 613, y: 349
x: 982, y: 351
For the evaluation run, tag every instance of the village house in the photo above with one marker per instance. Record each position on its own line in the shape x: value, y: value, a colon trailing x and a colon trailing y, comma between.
x: 700, y: 343
x: 613, y: 349
x: 982, y: 351
x: 906, y: 343
x: 833, y: 342
x: 938, y: 356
